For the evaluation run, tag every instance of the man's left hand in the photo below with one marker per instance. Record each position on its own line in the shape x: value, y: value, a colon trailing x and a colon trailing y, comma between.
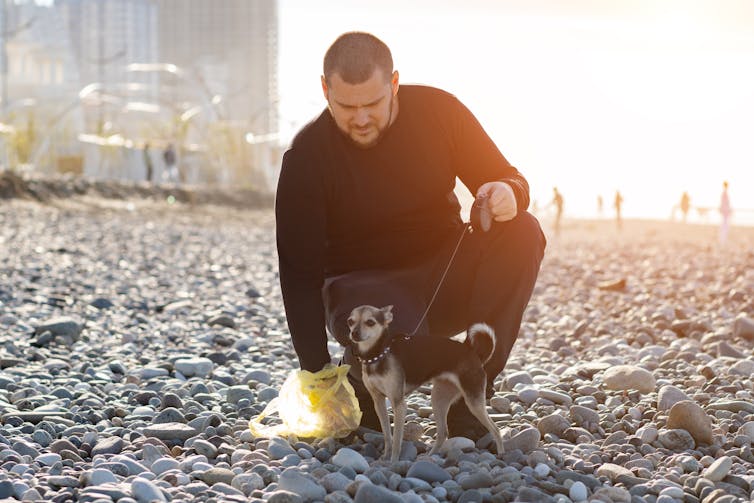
x: 501, y: 200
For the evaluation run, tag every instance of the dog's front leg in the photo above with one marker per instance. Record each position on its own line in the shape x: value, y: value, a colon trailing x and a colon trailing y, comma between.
x: 380, y: 407
x: 399, y: 420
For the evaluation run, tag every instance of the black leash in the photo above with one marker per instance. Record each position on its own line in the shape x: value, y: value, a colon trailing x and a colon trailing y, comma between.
x: 465, y: 228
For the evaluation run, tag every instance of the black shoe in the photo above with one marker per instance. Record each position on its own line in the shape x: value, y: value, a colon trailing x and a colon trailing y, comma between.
x: 462, y: 423
x: 369, y: 417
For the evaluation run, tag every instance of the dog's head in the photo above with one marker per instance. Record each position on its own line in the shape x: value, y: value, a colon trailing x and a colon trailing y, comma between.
x: 367, y: 323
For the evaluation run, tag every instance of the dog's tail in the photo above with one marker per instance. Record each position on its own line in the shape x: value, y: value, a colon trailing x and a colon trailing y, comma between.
x: 481, y: 337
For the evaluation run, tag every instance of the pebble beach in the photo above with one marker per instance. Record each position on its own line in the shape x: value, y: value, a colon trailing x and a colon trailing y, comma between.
x: 138, y: 338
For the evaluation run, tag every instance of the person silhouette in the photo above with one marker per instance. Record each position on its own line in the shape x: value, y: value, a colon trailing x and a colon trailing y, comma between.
x: 685, y: 205
x: 618, y: 204
x: 148, y: 162
x: 725, y: 213
x: 557, y: 201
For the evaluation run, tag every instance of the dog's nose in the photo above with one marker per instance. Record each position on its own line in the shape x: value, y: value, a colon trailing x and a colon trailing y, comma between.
x: 355, y: 334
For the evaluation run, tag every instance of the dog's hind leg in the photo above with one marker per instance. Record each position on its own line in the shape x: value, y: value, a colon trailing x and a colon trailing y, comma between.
x: 476, y: 402
x: 444, y: 393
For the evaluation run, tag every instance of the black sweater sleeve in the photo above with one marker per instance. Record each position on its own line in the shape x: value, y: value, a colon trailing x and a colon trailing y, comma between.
x: 478, y: 159
x: 301, y: 229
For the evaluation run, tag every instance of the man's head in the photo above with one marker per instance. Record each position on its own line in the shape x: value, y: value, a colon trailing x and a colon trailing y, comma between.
x: 360, y: 87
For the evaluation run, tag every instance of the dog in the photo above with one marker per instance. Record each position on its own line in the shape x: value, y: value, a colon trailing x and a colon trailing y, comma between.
x: 393, y: 365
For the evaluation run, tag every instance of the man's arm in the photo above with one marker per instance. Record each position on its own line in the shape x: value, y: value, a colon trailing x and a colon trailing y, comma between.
x: 479, y: 161
x: 301, y: 232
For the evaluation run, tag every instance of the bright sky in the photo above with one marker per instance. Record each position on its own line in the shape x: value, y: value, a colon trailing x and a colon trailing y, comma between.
x: 652, y: 97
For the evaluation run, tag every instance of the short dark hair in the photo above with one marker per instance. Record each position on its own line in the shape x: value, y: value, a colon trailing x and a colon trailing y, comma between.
x: 355, y: 56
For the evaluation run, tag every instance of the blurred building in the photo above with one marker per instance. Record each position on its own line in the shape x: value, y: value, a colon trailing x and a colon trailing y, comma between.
x: 120, y: 74
x: 230, y: 46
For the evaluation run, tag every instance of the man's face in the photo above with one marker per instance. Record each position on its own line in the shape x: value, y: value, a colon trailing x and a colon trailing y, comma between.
x: 363, y: 112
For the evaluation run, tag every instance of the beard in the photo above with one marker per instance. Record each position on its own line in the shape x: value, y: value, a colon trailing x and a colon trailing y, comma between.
x: 381, y: 131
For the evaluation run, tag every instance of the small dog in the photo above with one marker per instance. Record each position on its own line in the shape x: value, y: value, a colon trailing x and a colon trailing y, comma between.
x: 394, y: 365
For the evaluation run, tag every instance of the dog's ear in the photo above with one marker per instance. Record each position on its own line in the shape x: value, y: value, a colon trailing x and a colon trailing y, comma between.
x: 387, y: 311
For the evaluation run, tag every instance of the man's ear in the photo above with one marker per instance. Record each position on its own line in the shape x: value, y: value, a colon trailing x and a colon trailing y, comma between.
x: 394, y: 83
x: 387, y: 311
x: 325, y: 90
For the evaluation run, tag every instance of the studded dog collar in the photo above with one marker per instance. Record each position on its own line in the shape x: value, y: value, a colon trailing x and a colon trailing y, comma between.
x: 382, y: 354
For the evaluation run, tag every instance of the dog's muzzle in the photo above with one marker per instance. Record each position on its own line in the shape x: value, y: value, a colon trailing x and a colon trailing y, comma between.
x: 355, y: 336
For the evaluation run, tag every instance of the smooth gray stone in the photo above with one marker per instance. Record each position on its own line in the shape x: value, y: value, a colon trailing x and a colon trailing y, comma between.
x: 99, y: 476
x: 222, y: 320
x: 48, y: 459
x: 591, y: 482
x: 476, y: 480
x: 170, y: 431
x: 118, y: 469
x: 471, y: 496
x: 259, y: 376
x: 63, y: 481
x: 215, y: 475
x: 144, y: 491
x: 237, y: 393
x: 111, y: 445
x: 369, y: 493
x: 37, y: 416
x: 283, y: 496
x: 338, y: 497
x: 164, y: 464
x: 6, y: 489
x: 61, y: 326
x: 204, y: 448
x: 134, y: 467
x: 526, y: 441
x: 732, y: 406
x: 428, y: 471
x: 25, y: 449
x: 248, y: 482
x: 279, y: 448
x: 169, y: 415
x: 101, y: 303
x: 335, y: 482
x: 191, y: 367
x: 300, y: 483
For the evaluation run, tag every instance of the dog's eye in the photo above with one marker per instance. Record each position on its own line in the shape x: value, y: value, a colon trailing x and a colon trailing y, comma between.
x: 370, y: 323
x: 350, y: 322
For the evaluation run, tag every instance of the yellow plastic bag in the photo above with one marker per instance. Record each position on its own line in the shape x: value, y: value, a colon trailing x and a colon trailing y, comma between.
x: 312, y: 404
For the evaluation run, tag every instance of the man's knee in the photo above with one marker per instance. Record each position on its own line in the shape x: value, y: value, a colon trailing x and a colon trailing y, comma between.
x: 523, y: 235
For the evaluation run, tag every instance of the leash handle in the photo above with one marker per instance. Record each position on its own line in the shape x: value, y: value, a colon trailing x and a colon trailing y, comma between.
x: 442, y: 278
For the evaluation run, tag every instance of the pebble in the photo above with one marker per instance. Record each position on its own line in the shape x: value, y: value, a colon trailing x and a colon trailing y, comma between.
x: 578, y: 491
x: 428, y: 471
x: 668, y: 396
x: 194, y: 367
x: 368, y: 493
x: 148, y: 395
x: 349, y: 458
x: 629, y: 377
x: 719, y: 469
x: 292, y: 480
x: 693, y: 418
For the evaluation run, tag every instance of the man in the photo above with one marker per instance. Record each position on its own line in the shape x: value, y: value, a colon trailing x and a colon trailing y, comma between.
x: 366, y: 214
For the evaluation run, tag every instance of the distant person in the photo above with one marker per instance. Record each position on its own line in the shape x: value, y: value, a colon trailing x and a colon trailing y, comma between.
x: 600, y: 206
x: 685, y: 205
x: 618, y: 205
x: 148, y: 162
x: 557, y: 201
x: 725, y: 213
x: 366, y: 214
x: 168, y: 156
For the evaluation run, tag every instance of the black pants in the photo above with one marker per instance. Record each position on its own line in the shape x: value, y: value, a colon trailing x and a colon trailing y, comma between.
x: 490, y: 280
